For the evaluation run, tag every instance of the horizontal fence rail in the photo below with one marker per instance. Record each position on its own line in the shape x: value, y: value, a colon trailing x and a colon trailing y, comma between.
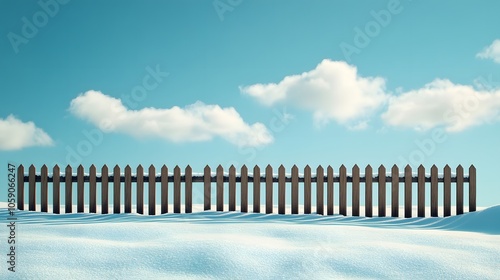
x: 322, y: 177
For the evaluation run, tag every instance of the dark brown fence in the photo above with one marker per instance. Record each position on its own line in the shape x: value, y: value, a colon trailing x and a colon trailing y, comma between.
x: 330, y: 178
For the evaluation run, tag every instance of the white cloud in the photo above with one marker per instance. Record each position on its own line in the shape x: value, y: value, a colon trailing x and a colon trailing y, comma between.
x: 16, y: 135
x: 443, y: 103
x: 491, y: 52
x: 196, y: 122
x: 332, y: 91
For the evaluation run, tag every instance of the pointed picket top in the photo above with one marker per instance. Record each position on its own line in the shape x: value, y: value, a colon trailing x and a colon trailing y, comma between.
x: 21, y: 166
x: 281, y: 168
x: 31, y: 166
x: 368, y: 169
x: 128, y: 167
x: 408, y: 169
x: 188, y: 168
x: 220, y: 168
x: 92, y: 167
x: 433, y: 167
x: 44, y: 168
x: 395, y: 168
x: 164, y: 168
x: 177, y: 169
x: 329, y: 168
x: 152, y: 171
x: 68, y: 168
x: 232, y: 168
x: 140, y: 169
x: 421, y: 167
x: 244, y: 169
x: 343, y: 168
x: 447, y: 168
x: 57, y: 170
x: 80, y: 169
x: 355, y: 168
x: 269, y: 169
x: 294, y: 167
x: 104, y: 170
x: 116, y: 169
x: 460, y: 169
x: 307, y: 168
x: 207, y: 169
x: 460, y: 166
x: 319, y: 169
x: 381, y: 167
x: 256, y: 170
x: 472, y: 170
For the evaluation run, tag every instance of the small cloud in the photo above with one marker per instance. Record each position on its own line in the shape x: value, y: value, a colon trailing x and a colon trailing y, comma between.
x: 196, y: 122
x: 443, y: 103
x: 491, y: 52
x: 359, y: 126
x: 16, y: 135
x: 332, y: 91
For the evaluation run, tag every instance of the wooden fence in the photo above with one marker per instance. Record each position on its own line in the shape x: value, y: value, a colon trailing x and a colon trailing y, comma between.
x: 331, y: 179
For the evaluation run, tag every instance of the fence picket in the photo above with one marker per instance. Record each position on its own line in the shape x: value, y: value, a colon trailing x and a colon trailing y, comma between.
x: 128, y: 189
x: 44, y: 189
x: 232, y: 188
x: 69, y: 190
x: 355, y: 191
x: 307, y: 190
x: 32, y: 188
x: 343, y: 190
x: 395, y: 192
x: 177, y: 189
x: 330, y: 190
x: 220, y: 188
x: 381, y: 191
x: 92, y: 189
x: 447, y: 191
x: 104, y: 190
x: 460, y: 190
x: 320, y: 207
x: 56, y: 195
x: 244, y: 189
x: 434, y: 191
x: 164, y: 189
x: 188, y: 208
x: 368, y: 191
x: 80, y: 190
x: 269, y: 189
x: 140, y: 190
x: 116, y: 190
x: 152, y: 191
x: 281, y: 190
x: 295, y: 190
x: 408, y: 191
x: 256, y: 189
x: 421, y: 191
x: 207, y: 189
x: 20, y: 187
x: 472, y: 188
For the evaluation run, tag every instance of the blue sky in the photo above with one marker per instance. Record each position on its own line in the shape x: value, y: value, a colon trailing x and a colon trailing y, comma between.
x: 252, y: 82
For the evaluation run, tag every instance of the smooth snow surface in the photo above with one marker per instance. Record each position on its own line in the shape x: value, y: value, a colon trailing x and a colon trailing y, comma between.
x: 214, y: 245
